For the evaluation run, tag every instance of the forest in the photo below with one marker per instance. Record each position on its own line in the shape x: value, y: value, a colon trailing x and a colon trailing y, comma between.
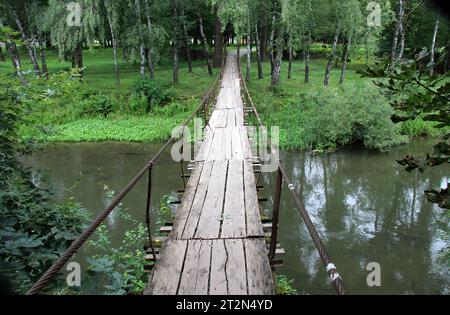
x: 360, y: 78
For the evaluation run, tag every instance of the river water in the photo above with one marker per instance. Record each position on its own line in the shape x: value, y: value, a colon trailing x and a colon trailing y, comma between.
x: 364, y: 205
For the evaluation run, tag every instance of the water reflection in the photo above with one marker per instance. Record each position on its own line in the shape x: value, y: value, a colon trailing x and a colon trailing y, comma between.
x: 363, y: 204
x: 367, y: 209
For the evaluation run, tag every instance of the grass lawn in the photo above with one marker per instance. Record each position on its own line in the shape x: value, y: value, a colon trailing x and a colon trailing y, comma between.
x: 51, y: 124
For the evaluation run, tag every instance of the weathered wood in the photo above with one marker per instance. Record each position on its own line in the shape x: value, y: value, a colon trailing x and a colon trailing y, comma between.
x: 218, y: 278
x: 165, y: 276
x: 217, y: 244
x: 211, y: 214
x: 253, y: 216
x: 195, y: 277
x: 186, y: 203
x: 236, y: 271
x: 233, y: 224
x: 196, y: 209
x: 258, y: 268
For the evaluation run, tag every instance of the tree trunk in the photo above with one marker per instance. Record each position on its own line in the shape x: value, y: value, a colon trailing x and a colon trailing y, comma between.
x: 402, y: 35
x: 43, y: 59
x: 143, y: 58
x: 397, y: 32
x: 114, y: 44
x: 205, y: 45
x: 345, y: 61
x: 218, y: 43
x: 271, y: 41
x: 290, y: 64
x: 142, y: 54
x: 433, y: 47
x: 326, y: 81
x: 77, y: 58
x: 149, y: 53
x: 175, y: 64
x: 306, y: 56
x: 249, y: 53
x: 2, y: 56
x: 277, y: 62
x: 258, y: 53
x: 30, y: 50
x: 15, y: 58
x: 175, y: 41
x: 186, y: 41
x: 263, y: 39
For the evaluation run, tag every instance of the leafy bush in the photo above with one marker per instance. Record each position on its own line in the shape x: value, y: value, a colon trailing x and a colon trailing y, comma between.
x: 154, y: 92
x: 344, y: 116
x: 99, y: 104
x: 284, y: 286
x: 34, y: 230
x: 118, y: 270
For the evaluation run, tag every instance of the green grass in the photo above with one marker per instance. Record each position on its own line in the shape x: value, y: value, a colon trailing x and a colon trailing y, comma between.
x: 281, y: 107
x: 56, y: 124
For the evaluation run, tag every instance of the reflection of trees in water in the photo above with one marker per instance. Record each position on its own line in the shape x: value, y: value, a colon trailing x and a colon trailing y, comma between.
x: 369, y: 209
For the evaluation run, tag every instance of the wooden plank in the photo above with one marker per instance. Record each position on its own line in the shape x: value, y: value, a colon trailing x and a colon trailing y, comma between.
x: 246, y: 149
x: 218, y: 277
x: 254, y: 226
x: 235, y: 268
x: 233, y: 224
x: 186, y: 203
x: 205, y: 148
x: 221, y: 121
x: 211, y: 214
x: 196, y: 209
x: 166, y: 275
x: 195, y: 277
x: 227, y: 144
x: 239, y: 116
x: 231, y: 118
x: 237, y: 145
x: 259, y: 275
x: 217, y: 151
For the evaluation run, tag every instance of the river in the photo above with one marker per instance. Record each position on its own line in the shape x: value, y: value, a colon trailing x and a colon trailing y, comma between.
x: 366, y: 207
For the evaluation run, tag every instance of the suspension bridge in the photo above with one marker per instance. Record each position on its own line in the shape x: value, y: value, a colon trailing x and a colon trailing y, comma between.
x: 218, y: 243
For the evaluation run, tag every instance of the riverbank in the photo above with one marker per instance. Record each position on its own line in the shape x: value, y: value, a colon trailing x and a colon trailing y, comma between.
x: 98, y: 109
x: 313, y: 117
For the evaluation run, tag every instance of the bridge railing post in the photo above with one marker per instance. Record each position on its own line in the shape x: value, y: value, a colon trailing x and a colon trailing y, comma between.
x: 275, y: 215
x: 147, y: 212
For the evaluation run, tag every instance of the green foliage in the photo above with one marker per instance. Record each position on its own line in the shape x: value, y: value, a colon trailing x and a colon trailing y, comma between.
x: 344, y: 116
x: 153, y: 91
x: 34, y: 229
x: 285, y: 286
x: 415, y: 94
x: 120, y: 270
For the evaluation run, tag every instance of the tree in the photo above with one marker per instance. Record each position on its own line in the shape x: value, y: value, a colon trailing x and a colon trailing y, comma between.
x: 352, y: 25
x: 433, y: 46
x: 69, y: 39
x: 112, y: 7
x: 427, y: 97
x: 278, y: 42
x: 336, y: 16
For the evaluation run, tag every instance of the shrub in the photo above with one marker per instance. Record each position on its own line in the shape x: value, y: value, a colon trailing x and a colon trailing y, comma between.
x: 97, y: 104
x: 154, y: 92
x: 342, y: 116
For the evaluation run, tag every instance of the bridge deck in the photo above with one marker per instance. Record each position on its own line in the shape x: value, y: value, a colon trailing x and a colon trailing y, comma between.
x: 217, y: 242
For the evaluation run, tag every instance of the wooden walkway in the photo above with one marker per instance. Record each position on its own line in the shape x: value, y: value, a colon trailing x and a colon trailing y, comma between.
x: 217, y: 243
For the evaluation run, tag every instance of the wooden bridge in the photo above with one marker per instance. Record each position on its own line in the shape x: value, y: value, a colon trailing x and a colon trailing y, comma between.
x: 217, y: 243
